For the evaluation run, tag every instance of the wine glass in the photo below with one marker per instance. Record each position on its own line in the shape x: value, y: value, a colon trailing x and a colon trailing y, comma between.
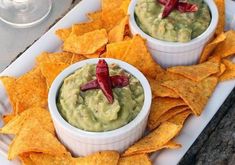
x: 24, y: 13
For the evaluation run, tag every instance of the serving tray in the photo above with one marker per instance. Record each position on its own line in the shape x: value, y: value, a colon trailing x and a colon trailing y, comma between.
x: 49, y: 42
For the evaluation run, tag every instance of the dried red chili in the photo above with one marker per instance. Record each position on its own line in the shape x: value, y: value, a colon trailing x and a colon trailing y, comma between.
x: 102, y: 75
x: 170, y: 5
x: 180, y: 6
x: 117, y: 82
x: 187, y: 7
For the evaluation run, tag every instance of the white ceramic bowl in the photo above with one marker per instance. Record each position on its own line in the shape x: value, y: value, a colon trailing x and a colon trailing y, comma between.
x: 175, y: 53
x: 81, y: 142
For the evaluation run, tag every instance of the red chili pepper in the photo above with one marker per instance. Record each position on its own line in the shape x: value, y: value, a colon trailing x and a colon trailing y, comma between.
x: 187, y: 7
x: 102, y: 75
x: 117, y: 82
x: 180, y: 6
x: 163, y: 2
x: 93, y: 84
x: 170, y: 5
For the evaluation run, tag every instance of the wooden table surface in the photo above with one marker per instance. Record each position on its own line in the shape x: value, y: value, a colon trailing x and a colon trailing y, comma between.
x: 215, y: 145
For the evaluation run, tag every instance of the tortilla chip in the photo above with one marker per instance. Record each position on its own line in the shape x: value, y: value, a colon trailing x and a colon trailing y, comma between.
x: 227, y: 47
x: 99, y: 158
x: 82, y: 28
x: 161, y: 106
x: 63, y: 33
x: 170, y: 114
x: 221, y: 9
x: 155, y: 140
x: 229, y: 73
x: 112, y: 17
x: 25, y: 159
x: 40, y: 114
x: 137, y: 54
x: 195, y: 94
x: 51, y: 70
x: 33, y: 138
x: 141, y: 159
x: 110, y: 4
x: 95, y: 15
x: 117, y: 49
x: 160, y: 91
x: 222, y: 70
x: 45, y: 159
x: 88, y: 43
x: 31, y: 90
x: 180, y: 117
x: 209, y: 48
x: 7, y: 118
x: 196, y: 72
x: 124, y: 6
x: 58, y: 57
x: 77, y: 58
x: 117, y: 33
x: 9, y: 85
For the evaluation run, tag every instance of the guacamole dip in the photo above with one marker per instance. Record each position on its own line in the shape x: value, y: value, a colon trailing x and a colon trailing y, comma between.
x: 178, y: 26
x: 90, y: 110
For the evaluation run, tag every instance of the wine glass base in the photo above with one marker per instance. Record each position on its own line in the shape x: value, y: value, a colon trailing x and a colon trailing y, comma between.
x: 24, y: 13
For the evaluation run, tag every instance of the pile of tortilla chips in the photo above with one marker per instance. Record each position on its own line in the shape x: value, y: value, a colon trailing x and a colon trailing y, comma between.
x: 178, y: 91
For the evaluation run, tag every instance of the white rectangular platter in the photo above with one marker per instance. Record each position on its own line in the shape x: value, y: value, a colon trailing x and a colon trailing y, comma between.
x: 49, y: 42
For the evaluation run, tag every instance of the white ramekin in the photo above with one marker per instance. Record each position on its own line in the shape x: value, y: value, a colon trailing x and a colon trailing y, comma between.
x: 175, y: 53
x: 81, y: 142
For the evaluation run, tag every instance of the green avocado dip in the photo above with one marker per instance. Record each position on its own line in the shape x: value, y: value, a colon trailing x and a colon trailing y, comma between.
x: 176, y: 27
x: 90, y: 110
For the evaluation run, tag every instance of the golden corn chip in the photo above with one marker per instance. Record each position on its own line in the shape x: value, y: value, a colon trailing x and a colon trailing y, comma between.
x: 195, y: 94
x: 180, y: 117
x: 117, y: 33
x: 58, y: 57
x: 160, y: 91
x: 40, y: 114
x: 33, y: 138
x: 196, y: 72
x: 95, y: 15
x: 124, y: 6
x: 117, y: 49
x: 229, y: 73
x: 110, y: 4
x: 227, y: 47
x: 161, y: 106
x: 9, y: 85
x: 221, y: 23
x: 155, y: 140
x: 25, y: 159
x: 171, y: 113
x: 77, y: 58
x: 51, y: 70
x: 88, y: 43
x: 141, y: 159
x: 63, y: 33
x: 82, y: 28
x: 97, y: 54
x: 31, y: 90
x: 211, y: 46
x: 112, y: 17
x: 99, y: 158
x: 7, y: 118
x: 222, y: 70
x: 45, y: 159
x: 137, y: 54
